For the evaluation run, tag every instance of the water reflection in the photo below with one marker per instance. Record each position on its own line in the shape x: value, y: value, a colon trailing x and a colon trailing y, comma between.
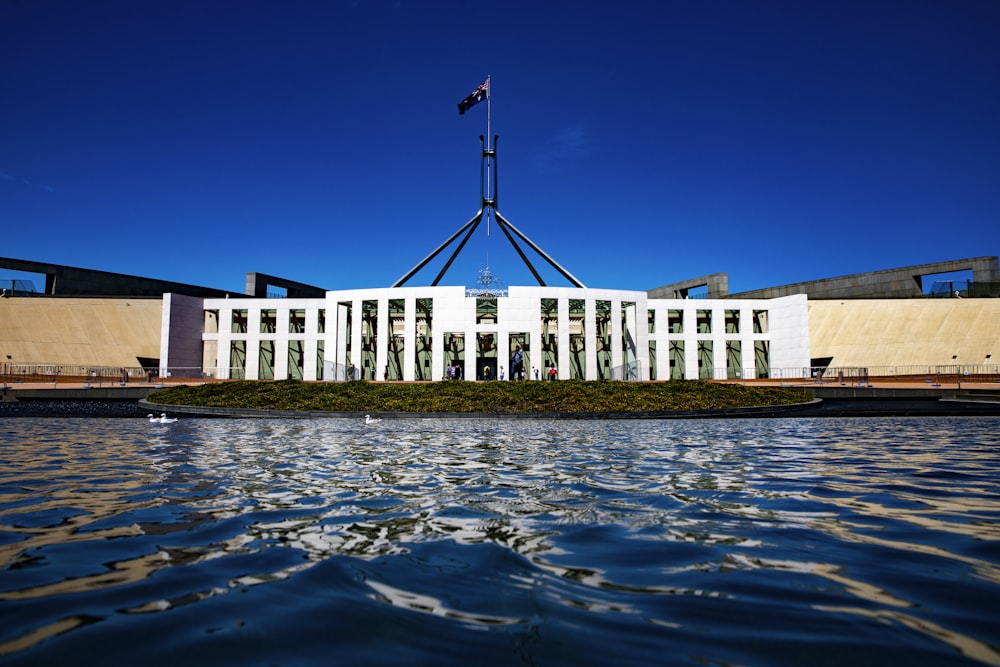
x: 862, y: 517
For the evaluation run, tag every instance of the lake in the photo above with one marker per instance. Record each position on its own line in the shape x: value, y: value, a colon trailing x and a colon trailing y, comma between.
x: 867, y: 541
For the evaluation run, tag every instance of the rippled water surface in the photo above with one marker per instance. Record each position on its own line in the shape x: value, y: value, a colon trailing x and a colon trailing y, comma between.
x: 453, y: 542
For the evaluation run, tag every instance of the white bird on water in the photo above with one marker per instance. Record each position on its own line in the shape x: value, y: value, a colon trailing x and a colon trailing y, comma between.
x: 162, y: 419
x: 371, y: 420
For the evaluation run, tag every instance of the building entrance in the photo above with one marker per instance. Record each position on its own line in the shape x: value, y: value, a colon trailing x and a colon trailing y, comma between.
x: 486, y: 357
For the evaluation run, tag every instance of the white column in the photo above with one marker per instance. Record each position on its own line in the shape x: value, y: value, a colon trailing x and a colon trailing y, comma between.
x: 357, y: 321
x: 253, y: 343
x: 382, y: 343
x: 616, y: 333
x: 562, y: 357
x: 590, y: 337
x: 410, y: 341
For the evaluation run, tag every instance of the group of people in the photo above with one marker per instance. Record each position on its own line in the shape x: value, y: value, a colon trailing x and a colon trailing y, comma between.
x: 455, y: 370
x: 517, y: 372
x: 517, y: 368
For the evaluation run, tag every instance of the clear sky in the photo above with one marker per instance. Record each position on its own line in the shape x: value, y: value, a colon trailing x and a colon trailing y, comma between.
x: 642, y: 142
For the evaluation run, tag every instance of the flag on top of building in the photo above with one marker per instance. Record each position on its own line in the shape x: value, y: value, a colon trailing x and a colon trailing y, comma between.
x: 475, y: 97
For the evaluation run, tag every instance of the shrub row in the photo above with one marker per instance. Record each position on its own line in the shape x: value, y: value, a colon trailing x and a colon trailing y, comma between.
x: 494, y: 397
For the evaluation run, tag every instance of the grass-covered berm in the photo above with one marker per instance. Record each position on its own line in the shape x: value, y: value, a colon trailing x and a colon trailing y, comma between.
x: 491, y: 397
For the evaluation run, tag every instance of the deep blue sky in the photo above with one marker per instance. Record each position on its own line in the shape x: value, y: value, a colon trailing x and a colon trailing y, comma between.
x: 642, y: 142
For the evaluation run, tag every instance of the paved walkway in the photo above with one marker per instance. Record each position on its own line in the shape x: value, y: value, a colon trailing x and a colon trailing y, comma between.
x: 874, y: 384
x: 883, y: 384
x: 15, y: 386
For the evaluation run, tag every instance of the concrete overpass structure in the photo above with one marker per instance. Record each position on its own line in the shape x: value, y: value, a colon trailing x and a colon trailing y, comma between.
x: 61, y: 280
x: 903, y: 283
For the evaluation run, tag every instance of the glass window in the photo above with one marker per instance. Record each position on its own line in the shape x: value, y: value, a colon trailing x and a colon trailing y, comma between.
x: 760, y: 321
x: 705, y: 361
x: 345, y: 311
x: 630, y: 325
x: 486, y: 356
x: 550, y: 334
x: 732, y: 321
x: 734, y: 359
x: 297, y: 321
x: 268, y: 321
x: 397, y: 339
x: 237, y: 359
x: 296, y: 359
x: 704, y: 321
x: 577, y: 340
x: 602, y: 337
x: 762, y: 360
x: 519, y: 341
x: 422, y: 359
x: 486, y: 310
x: 675, y: 321
x: 266, y: 357
x: 454, y: 356
x: 369, y: 338
x: 239, y: 321
x: 677, y: 360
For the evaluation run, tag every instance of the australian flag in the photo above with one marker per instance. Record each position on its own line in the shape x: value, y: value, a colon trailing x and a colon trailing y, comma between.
x: 478, y: 95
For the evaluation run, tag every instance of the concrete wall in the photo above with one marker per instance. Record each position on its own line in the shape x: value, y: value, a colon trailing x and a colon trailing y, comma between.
x: 87, y: 332
x: 865, y: 333
x: 180, y: 342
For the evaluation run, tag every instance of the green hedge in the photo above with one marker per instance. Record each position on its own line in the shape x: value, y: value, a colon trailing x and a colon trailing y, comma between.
x: 495, y: 397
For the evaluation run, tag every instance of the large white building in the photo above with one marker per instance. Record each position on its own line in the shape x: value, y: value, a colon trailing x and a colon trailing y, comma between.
x: 417, y: 333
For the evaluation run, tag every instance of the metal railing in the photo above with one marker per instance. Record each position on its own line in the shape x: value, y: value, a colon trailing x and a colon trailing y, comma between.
x: 41, y: 373
x: 950, y: 289
x: 630, y: 372
x: 863, y: 375
x: 97, y: 376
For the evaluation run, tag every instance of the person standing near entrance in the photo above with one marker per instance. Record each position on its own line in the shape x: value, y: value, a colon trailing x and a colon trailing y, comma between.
x: 517, y: 364
x: 552, y: 373
x: 486, y: 373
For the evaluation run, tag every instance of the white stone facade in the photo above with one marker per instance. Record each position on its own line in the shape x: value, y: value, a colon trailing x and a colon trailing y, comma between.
x: 590, y: 334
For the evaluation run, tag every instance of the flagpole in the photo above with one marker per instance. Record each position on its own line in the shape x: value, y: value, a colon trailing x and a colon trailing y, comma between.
x: 488, y: 204
x: 489, y: 147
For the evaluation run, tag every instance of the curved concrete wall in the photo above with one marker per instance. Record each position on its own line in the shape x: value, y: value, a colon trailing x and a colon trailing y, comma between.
x: 905, y: 332
x: 85, y: 332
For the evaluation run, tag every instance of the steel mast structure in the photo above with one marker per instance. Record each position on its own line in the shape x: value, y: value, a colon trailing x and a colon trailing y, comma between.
x: 487, y: 207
